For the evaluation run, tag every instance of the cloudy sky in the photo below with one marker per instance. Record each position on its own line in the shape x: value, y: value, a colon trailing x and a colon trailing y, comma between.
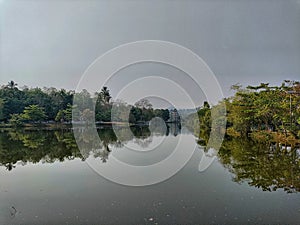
x: 51, y: 43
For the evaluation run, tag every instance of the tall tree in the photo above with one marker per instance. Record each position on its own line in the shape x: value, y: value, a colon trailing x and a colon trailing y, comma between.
x: 104, y: 95
x: 12, y: 85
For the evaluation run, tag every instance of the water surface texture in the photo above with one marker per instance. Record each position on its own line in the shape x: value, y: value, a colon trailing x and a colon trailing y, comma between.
x: 46, y: 180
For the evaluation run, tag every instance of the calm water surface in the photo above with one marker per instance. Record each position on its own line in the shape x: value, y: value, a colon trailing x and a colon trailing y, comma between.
x: 46, y: 180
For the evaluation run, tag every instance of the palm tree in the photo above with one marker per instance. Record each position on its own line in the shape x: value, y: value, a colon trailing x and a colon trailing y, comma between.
x: 105, y: 95
x: 12, y: 85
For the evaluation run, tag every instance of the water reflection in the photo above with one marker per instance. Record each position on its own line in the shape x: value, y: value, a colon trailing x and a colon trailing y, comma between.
x: 266, y: 166
x: 19, y: 147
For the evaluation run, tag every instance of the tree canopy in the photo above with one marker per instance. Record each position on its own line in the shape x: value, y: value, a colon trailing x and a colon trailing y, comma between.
x: 31, y: 105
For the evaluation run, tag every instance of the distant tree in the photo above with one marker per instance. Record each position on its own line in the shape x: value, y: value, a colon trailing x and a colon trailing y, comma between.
x: 13, y: 100
x: 236, y: 87
x: 103, y: 106
x: 143, y: 104
x: 16, y: 120
x: 162, y: 113
x: 83, y: 100
x: 29, y: 103
x: 145, y: 112
x: 59, y: 99
x: 204, y: 115
x: 12, y: 85
x: 68, y: 113
x: 120, y: 111
x: 1, y: 109
x: 65, y: 115
x: 33, y: 113
x: 104, y: 95
x: 135, y: 115
x: 87, y: 115
x: 206, y: 105
x: 60, y: 116
x: 165, y: 114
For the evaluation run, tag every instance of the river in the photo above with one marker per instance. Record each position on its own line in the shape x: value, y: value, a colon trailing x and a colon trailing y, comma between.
x: 46, y: 179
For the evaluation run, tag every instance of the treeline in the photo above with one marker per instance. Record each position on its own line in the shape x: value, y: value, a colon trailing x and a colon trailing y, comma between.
x: 261, y: 111
x: 32, y: 104
x: 36, y: 105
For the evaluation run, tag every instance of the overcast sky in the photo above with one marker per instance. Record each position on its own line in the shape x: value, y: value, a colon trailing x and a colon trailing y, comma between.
x: 51, y: 43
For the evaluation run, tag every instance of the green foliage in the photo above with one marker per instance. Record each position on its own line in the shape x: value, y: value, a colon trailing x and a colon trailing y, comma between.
x: 33, y: 113
x: 103, y: 106
x: 265, y: 108
x: 162, y: 113
x: 104, y: 96
x: 21, y: 145
x: 16, y: 120
x: 142, y: 111
x: 263, y: 165
x: 60, y: 116
x: 13, y: 100
x: 204, y: 115
x: 103, y: 112
x: 36, y: 105
x: 1, y: 109
x: 87, y: 115
x: 46, y: 146
x: 135, y: 115
x: 65, y: 114
x: 260, y: 108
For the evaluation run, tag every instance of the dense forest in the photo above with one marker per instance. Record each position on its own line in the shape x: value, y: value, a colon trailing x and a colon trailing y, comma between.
x: 262, y: 136
x: 19, y: 106
x: 261, y: 112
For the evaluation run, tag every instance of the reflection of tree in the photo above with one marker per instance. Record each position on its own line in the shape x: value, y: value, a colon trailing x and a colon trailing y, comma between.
x: 142, y: 136
x: 141, y: 132
x: 174, y: 128
x: 268, y: 167
x: 102, y: 153
x: 107, y: 137
x: 32, y: 140
x: 47, y: 146
x: 32, y: 146
x: 144, y: 143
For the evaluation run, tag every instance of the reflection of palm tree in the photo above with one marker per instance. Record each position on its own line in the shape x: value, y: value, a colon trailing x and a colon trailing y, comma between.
x: 107, y: 148
x: 118, y: 144
x: 144, y: 143
x: 9, y: 166
x: 175, y: 129
x: 104, y: 154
